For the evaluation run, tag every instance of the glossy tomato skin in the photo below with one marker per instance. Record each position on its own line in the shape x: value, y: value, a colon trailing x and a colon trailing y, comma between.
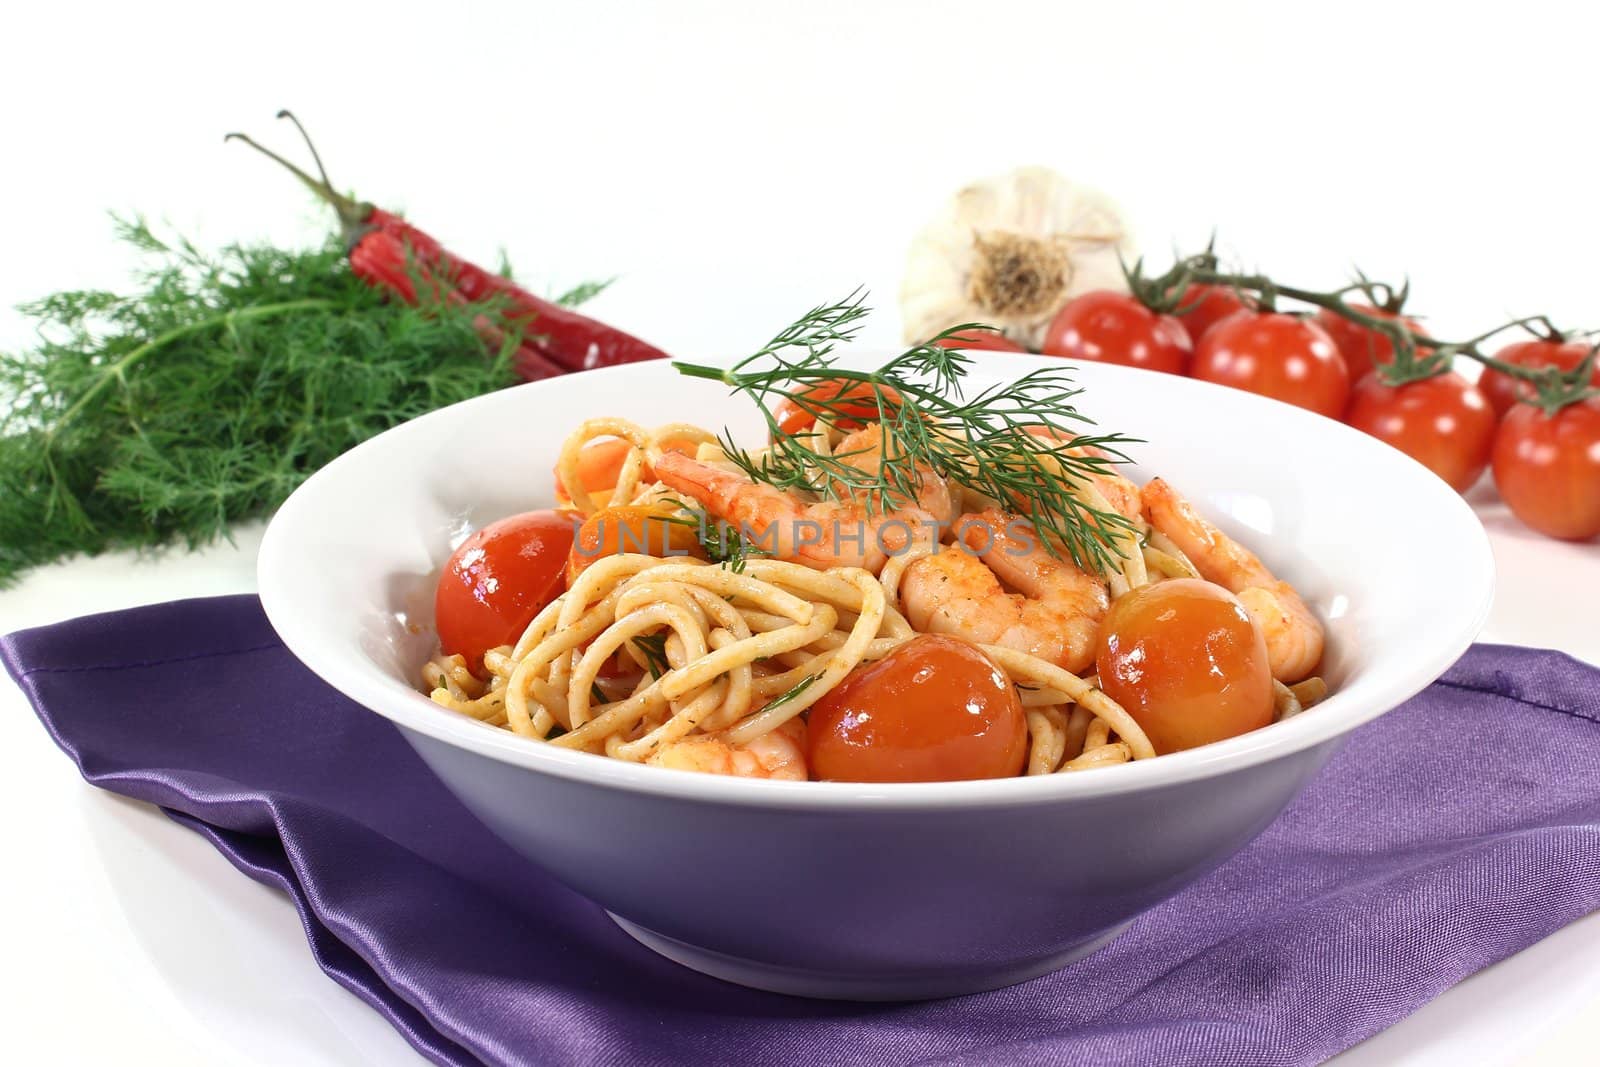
x: 1186, y: 661
x: 1547, y: 468
x: 936, y: 709
x: 854, y: 401
x: 1281, y: 356
x: 1203, y: 306
x: 1107, y: 327
x: 1502, y: 390
x: 499, y: 579
x: 1362, y: 347
x: 1443, y: 422
x: 986, y: 340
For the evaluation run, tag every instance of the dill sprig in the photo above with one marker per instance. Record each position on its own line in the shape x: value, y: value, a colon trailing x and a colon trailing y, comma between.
x: 791, y: 693
x: 653, y: 647
x: 209, y: 392
x: 981, y: 442
x: 721, y: 541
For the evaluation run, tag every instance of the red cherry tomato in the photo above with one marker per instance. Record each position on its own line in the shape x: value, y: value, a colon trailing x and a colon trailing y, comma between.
x: 1503, y: 390
x: 988, y: 340
x: 1361, y: 346
x: 1203, y: 306
x: 1107, y: 327
x: 1276, y: 355
x: 499, y: 579
x: 1443, y: 422
x: 936, y: 709
x: 1186, y: 661
x: 1547, y: 468
x: 855, y: 403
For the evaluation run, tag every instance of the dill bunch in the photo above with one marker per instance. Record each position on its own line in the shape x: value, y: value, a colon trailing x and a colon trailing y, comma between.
x: 210, y: 391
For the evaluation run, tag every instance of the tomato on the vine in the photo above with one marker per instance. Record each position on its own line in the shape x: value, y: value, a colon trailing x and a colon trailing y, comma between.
x: 1361, y: 346
x: 1107, y: 327
x: 1277, y: 355
x: 988, y: 340
x: 1442, y: 422
x: 499, y: 579
x: 1547, y: 468
x: 1203, y: 306
x: 1504, y: 390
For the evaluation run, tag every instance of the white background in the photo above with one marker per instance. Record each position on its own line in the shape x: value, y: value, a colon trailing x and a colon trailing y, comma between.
x: 734, y: 164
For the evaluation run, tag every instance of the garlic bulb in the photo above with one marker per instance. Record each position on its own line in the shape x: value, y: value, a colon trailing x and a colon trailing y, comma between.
x: 1010, y: 251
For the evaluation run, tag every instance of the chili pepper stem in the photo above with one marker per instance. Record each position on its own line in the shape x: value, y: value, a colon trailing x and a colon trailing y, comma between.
x: 352, y: 213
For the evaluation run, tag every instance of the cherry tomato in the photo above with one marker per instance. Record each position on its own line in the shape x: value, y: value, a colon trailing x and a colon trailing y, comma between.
x: 936, y: 709
x: 498, y: 580
x: 1503, y: 390
x: 989, y: 340
x: 855, y: 402
x: 1276, y: 355
x: 1186, y: 661
x: 629, y: 528
x: 1548, y: 468
x: 1361, y: 346
x: 1203, y: 306
x: 600, y: 465
x: 1107, y: 327
x: 1443, y: 422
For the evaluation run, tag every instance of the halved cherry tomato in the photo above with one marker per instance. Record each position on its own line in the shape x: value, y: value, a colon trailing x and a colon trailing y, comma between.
x: 989, y: 340
x: 1361, y: 346
x: 1107, y: 327
x: 936, y: 709
x: 1442, y: 422
x: 629, y: 528
x: 1503, y: 390
x: 1186, y: 661
x: 1203, y: 306
x: 1276, y: 355
x: 1547, y: 468
x: 498, y: 580
x: 854, y: 402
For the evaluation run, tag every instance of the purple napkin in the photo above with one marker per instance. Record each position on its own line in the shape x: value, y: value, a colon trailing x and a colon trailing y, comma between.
x: 1451, y: 833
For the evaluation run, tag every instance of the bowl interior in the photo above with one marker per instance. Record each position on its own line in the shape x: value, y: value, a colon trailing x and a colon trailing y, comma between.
x: 1393, y: 560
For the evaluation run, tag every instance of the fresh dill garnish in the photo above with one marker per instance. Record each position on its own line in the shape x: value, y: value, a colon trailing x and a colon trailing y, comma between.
x: 983, y: 442
x: 791, y: 693
x: 721, y: 541
x: 583, y: 292
x: 653, y: 647
x: 210, y: 392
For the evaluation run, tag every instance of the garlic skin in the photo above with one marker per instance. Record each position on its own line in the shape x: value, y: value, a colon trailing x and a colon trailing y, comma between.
x: 1010, y: 251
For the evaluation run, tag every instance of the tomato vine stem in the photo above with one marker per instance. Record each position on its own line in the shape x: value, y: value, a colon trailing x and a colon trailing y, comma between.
x: 1416, y: 354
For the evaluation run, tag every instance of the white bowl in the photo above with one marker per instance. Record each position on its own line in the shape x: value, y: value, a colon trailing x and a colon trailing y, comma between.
x: 882, y: 891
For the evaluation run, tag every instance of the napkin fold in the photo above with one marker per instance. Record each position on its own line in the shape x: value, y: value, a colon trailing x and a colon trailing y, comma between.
x: 1454, y: 831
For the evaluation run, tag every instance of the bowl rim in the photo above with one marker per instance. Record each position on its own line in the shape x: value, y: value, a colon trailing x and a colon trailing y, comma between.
x: 1436, y: 650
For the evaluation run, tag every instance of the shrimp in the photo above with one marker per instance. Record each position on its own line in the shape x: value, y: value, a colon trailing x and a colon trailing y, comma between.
x: 778, y: 754
x: 1119, y: 492
x: 1293, y: 634
x: 1055, y: 613
x: 820, y: 534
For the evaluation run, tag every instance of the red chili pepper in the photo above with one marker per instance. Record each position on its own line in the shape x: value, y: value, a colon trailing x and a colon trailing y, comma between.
x: 387, y: 251
x: 573, y: 340
x: 380, y: 258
